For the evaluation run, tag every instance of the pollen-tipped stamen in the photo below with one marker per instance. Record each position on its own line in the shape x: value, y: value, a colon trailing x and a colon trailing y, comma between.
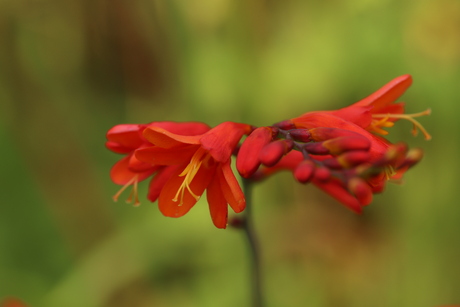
x: 134, y: 195
x: 410, y: 117
x: 389, y: 172
x: 133, y: 181
x: 189, y: 173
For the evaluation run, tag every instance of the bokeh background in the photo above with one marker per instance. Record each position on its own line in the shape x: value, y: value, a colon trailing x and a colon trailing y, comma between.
x: 71, y: 69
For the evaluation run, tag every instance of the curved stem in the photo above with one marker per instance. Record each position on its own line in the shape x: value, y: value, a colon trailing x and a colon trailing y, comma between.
x: 249, y: 231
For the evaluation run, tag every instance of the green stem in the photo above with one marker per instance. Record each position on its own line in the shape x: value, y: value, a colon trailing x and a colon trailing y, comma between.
x: 249, y: 231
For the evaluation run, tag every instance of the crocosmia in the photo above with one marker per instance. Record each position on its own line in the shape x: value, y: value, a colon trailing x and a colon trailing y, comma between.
x: 343, y: 152
x: 197, y: 163
x: 126, y: 139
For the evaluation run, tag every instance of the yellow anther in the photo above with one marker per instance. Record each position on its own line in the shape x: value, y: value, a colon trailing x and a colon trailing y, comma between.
x: 383, y: 122
x: 133, y: 193
x: 189, y: 173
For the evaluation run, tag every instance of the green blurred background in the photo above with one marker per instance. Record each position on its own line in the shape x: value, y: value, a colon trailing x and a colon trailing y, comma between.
x: 71, y: 69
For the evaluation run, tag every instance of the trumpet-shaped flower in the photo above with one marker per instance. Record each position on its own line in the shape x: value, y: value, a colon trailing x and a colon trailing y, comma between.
x: 129, y: 171
x: 379, y: 110
x: 337, y: 151
x: 198, y: 163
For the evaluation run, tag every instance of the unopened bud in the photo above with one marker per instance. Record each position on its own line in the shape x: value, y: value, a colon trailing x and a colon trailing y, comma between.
x: 413, y: 157
x: 285, y: 125
x: 332, y: 163
x: 248, y: 161
x: 301, y: 135
x: 303, y: 173
x: 353, y: 158
x: 396, y: 153
x: 342, y: 144
x: 327, y: 133
x: 316, y: 148
x: 322, y: 174
x: 274, y: 151
x: 361, y: 190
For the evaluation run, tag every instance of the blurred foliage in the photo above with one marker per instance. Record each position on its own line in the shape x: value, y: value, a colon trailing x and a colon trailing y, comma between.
x: 69, y: 70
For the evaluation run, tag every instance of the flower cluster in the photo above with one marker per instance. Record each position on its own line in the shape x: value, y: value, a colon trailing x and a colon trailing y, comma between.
x: 343, y: 152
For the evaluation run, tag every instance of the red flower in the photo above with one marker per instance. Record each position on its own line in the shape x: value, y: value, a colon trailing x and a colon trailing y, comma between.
x: 336, y: 150
x: 125, y: 139
x: 197, y: 162
x: 378, y: 110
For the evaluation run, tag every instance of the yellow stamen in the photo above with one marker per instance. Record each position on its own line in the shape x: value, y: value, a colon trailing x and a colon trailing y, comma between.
x: 133, y: 193
x: 389, y: 172
x: 189, y: 173
x: 383, y: 122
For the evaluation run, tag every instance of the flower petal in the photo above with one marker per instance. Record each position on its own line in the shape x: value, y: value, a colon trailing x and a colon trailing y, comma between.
x: 217, y: 204
x: 126, y: 135
x: 231, y: 188
x: 172, y: 208
x: 182, y: 128
x: 163, y: 156
x: 336, y: 190
x: 387, y: 94
x: 360, y: 116
x: 159, y: 180
x: 117, y: 148
x: 165, y: 139
x: 138, y: 166
x: 221, y: 140
x: 121, y: 174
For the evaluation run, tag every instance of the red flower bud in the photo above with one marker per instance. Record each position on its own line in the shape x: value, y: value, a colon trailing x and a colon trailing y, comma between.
x: 326, y: 133
x: 353, y: 158
x: 285, y: 125
x: 322, y: 174
x: 301, y: 135
x: 304, y: 171
x: 361, y: 190
x: 342, y: 144
x: 248, y: 161
x: 274, y: 151
x: 413, y: 157
x: 316, y: 148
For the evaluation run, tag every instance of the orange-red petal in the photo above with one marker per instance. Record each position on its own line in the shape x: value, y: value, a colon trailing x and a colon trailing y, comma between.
x: 165, y: 139
x: 172, y: 208
x: 218, y: 207
x: 336, y: 190
x: 231, y: 188
x: 164, y: 156
x: 121, y: 174
x: 126, y: 135
x: 159, y: 180
x: 383, y: 97
x: 182, y: 128
x: 221, y: 140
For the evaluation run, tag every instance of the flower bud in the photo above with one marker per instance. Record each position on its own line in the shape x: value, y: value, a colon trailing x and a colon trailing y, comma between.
x: 301, y: 135
x: 304, y: 172
x: 353, y: 158
x: 285, y: 125
x: 274, y: 151
x: 342, y: 144
x: 322, y: 174
x: 413, y: 157
x: 327, y: 133
x: 248, y: 161
x: 316, y: 148
x: 361, y: 190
